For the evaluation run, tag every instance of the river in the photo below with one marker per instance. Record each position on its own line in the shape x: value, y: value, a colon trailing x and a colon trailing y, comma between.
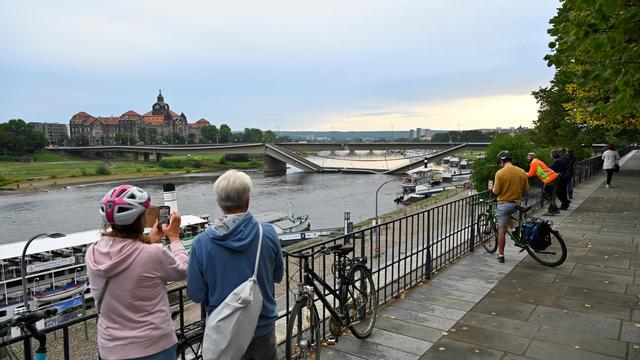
x: 324, y: 197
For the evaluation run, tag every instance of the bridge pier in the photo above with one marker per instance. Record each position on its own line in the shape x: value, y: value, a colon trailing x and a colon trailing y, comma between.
x: 145, y: 156
x: 273, y: 166
x: 158, y: 157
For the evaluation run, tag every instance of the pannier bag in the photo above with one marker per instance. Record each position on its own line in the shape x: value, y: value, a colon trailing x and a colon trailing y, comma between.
x: 231, y: 326
x: 537, y: 234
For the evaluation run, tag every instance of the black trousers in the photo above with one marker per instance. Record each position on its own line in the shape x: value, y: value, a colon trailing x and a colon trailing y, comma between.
x: 561, y: 193
x: 609, y: 176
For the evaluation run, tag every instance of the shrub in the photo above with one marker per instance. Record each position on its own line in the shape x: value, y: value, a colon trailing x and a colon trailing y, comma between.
x: 171, y: 164
x: 83, y: 172
x: 138, y: 170
x: 196, y: 164
x: 102, y: 170
x: 519, y: 146
x: 236, y: 157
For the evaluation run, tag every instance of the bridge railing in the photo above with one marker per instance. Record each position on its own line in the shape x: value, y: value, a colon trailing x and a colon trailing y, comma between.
x: 401, y: 253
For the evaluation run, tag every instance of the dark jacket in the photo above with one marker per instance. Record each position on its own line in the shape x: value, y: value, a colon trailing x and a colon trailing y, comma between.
x: 559, y: 166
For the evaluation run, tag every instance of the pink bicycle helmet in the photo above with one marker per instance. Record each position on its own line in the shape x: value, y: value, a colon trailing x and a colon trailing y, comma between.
x: 123, y: 204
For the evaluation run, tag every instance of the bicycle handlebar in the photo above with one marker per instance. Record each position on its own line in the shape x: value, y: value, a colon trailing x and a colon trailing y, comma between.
x: 311, y: 254
x: 33, y: 316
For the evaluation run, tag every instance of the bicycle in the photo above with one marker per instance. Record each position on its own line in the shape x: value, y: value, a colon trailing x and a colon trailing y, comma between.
x: 27, y: 323
x: 189, y: 339
x: 357, y: 302
x: 553, y: 255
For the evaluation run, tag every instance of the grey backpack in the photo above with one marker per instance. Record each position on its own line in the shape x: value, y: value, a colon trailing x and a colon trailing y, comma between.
x: 231, y: 326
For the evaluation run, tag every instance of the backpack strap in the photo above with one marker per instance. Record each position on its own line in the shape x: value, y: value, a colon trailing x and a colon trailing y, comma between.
x: 104, y: 290
x: 255, y: 270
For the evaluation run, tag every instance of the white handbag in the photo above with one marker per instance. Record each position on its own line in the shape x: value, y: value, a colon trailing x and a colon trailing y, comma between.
x: 232, y: 325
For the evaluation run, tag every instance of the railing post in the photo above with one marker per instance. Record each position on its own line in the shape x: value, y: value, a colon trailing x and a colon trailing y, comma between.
x: 65, y: 342
x: 26, y: 345
x: 473, y: 228
x: 429, y: 259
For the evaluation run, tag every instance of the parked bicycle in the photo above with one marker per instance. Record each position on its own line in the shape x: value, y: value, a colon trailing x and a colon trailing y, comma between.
x: 357, y: 302
x: 189, y: 345
x: 27, y: 323
x: 548, y: 247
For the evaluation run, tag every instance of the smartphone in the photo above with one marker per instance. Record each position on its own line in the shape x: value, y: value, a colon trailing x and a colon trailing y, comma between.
x: 490, y: 184
x: 163, y: 215
x: 151, y: 216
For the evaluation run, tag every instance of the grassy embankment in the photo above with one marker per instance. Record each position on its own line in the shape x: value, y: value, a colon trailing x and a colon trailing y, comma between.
x: 54, y: 169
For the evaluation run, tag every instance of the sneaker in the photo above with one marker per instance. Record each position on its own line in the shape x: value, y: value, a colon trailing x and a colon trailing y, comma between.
x: 608, y: 186
x: 501, y: 259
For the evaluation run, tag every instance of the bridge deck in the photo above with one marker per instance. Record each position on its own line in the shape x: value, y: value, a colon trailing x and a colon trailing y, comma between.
x: 477, y: 308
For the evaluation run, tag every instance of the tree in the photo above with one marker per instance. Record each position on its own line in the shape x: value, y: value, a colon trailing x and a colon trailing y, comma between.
x: 595, y: 51
x: 269, y: 137
x: 486, y: 168
x: 210, y: 134
x: 252, y: 135
x: 225, y: 133
x: 79, y: 140
x: 151, y: 136
x: 192, y: 138
x: 123, y: 139
x: 20, y: 138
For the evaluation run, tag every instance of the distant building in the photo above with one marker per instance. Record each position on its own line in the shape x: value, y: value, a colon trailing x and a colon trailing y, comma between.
x: 420, y: 133
x: 55, y: 133
x: 161, y: 124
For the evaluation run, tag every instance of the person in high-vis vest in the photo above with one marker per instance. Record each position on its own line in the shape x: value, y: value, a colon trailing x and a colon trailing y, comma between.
x: 549, y: 177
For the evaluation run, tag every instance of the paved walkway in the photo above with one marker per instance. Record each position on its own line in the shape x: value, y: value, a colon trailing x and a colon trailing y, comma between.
x: 585, y: 309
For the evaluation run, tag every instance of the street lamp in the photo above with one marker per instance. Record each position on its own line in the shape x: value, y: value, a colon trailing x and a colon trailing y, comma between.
x: 377, y: 250
x: 24, y: 264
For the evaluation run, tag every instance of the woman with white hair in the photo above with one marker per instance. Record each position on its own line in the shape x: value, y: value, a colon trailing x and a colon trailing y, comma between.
x: 223, y: 257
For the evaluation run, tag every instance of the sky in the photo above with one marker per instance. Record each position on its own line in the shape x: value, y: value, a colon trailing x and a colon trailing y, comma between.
x: 329, y: 65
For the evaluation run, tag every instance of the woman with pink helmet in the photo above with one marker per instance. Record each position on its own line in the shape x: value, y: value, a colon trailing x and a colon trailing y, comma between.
x: 127, y: 274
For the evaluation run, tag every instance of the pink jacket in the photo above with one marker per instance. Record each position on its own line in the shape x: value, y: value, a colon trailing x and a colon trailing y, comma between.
x: 135, y: 319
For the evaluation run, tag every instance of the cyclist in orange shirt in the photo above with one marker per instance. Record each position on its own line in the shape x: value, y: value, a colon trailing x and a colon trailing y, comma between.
x: 549, y: 177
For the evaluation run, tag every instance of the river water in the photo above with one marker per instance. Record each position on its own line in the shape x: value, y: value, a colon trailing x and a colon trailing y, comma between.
x: 324, y: 197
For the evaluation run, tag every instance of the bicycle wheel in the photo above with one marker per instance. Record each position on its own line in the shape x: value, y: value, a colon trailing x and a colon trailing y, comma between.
x: 303, y: 332
x: 553, y: 255
x: 190, y: 348
x: 361, y: 301
x: 487, y: 230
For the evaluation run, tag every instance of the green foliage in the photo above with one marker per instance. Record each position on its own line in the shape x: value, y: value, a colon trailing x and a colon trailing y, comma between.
x: 225, y: 134
x: 210, y: 134
x: 236, y: 157
x: 79, y: 140
x: 269, y: 137
x: 252, y: 135
x: 17, y: 137
x: 486, y: 168
x: 83, y: 172
x: 102, y: 170
x: 595, y: 51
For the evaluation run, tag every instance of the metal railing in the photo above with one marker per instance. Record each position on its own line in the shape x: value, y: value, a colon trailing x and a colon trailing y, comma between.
x: 412, y: 248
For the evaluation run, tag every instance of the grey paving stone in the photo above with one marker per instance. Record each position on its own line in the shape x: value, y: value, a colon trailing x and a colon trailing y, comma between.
x: 399, y: 342
x: 601, y: 275
x: 633, y: 290
x: 583, y: 340
x: 497, y: 323
x: 330, y: 353
x: 370, y: 350
x: 526, y: 276
x: 550, y: 289
x: 564, y: 269
x: 447, y: 349
x: 433, y: 321
x: 521, y: 296
x: 430, y: 309
x: 593, y: 307
x: 594, y: 260
x: 471, y: 280
x: 409, y: 329
x: 488, y: 338
x: 454, y: 294
x: 505, y: 308
x: 630, y: 331
x: 439, y: 300
x: 596, y: 284
x: 606, y: 269
x: 546, y: 350
x: 605, y: 297
x: 514, y: 357
x: 633, y: 351
x: 471, y: 289
x: 593, y: 324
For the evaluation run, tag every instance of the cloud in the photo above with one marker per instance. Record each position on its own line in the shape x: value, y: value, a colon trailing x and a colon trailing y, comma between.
x: 467, y: 113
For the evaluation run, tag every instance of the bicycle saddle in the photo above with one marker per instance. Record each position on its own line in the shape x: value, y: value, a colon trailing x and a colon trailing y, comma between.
x: 523, y: 209
x: 342, y: 249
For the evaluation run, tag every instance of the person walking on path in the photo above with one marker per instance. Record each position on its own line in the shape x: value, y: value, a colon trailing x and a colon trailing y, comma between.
x: 570, y: 159
x: 223, y: 257
x: 128, y: 272
x: 610, y: 164
x: 548, y: 177
x: 560, y: 166
x: 511, y: 183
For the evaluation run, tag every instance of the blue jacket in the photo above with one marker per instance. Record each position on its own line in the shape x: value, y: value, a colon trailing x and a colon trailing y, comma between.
x: 223, y: 258
x: 560, y: 167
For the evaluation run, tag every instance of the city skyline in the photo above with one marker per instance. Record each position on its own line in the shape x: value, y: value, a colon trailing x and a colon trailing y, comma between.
x: 316, y: 67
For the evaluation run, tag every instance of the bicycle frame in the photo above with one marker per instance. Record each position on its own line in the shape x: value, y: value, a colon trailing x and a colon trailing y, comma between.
x: 514, y: 235
x: 310, y: 279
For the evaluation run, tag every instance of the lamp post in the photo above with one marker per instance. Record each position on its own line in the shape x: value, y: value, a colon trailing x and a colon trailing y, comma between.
x: 377, y: 249
x: 24, y: 264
